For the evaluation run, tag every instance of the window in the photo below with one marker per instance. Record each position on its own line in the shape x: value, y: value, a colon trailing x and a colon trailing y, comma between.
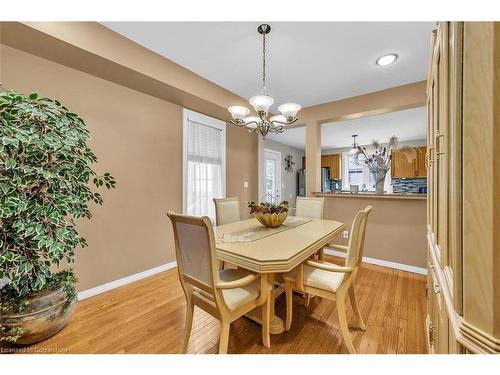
x: 356, y: 173
x: 204, y: 163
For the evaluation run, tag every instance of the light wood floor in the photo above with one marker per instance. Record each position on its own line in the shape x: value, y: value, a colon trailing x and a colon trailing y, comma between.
x: 148, y: 317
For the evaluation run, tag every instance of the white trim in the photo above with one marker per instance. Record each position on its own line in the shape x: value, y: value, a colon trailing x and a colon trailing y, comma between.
x: 383, y: 263
x: 200, y: 118
x: 124, y: 281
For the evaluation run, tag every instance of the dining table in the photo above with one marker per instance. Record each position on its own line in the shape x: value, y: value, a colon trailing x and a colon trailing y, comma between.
x: 271, y: 252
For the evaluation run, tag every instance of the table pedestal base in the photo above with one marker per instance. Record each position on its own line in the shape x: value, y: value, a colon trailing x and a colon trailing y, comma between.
x: 277, y: 325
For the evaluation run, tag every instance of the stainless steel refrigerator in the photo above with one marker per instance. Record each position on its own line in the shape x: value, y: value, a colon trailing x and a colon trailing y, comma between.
x: 325, y: 182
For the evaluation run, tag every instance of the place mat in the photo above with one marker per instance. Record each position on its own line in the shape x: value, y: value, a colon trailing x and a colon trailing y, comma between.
x: 259, y: 231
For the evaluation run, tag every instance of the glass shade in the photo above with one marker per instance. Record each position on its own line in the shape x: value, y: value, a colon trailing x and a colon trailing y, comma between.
x: 238, y: 112
x: 289, y: 109
x: 261, y: 103
x: 279, y: 118
x: 250, y: 119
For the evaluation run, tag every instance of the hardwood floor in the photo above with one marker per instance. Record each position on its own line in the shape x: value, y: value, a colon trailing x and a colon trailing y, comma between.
x: 148, y: 317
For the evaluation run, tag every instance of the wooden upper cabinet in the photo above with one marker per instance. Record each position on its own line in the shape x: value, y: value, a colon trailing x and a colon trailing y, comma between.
x: 334, y: 167
x: 421, y: 167
x: 332, y: 162
x: 404, y: 168
x: 325, y: 161
x: 401, y: 166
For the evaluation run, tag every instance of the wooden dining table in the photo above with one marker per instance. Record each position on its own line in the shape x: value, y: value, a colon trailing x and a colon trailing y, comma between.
x: 273, y: 251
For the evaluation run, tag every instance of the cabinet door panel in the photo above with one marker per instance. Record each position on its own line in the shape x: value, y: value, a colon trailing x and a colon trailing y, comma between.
x: 401, y: 166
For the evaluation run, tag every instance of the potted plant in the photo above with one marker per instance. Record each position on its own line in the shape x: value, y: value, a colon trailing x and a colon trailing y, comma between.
x: 269, y: 214
x: 45, y: 173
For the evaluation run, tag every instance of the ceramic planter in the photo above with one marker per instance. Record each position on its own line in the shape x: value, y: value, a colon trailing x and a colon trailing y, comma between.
x: 45, y: 315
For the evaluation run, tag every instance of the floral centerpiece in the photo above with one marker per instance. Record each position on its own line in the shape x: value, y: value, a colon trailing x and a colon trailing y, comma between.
x: 269, y: 214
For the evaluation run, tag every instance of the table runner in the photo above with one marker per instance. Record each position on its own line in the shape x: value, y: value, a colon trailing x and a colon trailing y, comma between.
x: 259, y: 231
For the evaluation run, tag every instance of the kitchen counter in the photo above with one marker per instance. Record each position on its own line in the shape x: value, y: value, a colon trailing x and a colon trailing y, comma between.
x: 372, y: 195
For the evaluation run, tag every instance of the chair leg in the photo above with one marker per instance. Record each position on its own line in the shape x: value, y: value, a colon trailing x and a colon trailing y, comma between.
x: 321, y: 253
x: 188, y: 324
x: 289, y: 304
x: 266, y: 322
x: 355, y: 307
x: 340, y: 298
x: 224, y: 337
x: 308, y: 299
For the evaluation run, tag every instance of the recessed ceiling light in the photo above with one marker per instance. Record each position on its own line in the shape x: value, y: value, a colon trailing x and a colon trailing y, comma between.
x: 387, y: 59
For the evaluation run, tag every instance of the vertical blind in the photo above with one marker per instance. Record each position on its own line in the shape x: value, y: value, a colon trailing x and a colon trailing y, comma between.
x: 204, y: 169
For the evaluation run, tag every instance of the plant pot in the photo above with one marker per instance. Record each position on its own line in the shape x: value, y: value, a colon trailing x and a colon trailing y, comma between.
x: 45, y: 315
x: 271, y: 220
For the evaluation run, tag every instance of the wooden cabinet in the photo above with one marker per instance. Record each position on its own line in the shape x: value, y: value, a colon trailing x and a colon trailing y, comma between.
x: 403, y: 167
x: 334, y: 166
x: 325, y: 161
x: 332, y: 162
x: 421, y: 167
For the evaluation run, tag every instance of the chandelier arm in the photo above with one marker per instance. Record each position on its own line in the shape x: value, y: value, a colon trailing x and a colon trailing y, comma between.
x: 240, y: 124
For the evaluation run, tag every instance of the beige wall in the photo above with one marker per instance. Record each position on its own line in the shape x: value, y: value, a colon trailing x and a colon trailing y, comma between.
x: 138, y: 138
x: 395, y: 231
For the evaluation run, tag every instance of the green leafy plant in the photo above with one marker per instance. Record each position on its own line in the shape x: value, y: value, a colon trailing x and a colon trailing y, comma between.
x: 45, y: 178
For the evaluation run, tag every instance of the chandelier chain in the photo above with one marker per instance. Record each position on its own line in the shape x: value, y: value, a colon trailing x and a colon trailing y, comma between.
x: 264, y: 89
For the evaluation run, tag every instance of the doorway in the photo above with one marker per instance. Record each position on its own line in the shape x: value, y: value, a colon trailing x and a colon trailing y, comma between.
x: 272, y: 176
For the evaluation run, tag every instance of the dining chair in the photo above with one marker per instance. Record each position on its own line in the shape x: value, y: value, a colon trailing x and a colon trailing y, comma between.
x: 226, y: 294
x: 311, y: 208
x: 227, y: 210
x: 328, y: 280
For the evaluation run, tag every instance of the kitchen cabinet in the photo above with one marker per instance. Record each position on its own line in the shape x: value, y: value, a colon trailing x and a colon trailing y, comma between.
x: 421, y: 167
x: 332, y: 162
x: 402, y: 167
x: 325, y: 161
x: 334, y: 166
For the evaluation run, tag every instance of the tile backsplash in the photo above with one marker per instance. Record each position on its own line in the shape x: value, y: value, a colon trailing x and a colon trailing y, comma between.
x: 336, y: 185
x: 408, y: 185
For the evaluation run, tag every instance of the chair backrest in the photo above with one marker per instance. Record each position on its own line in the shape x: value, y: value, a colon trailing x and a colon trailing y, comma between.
x: 308, y: 207
x: 195, y: 251
x: 227, y: 210
x: 356, y: 244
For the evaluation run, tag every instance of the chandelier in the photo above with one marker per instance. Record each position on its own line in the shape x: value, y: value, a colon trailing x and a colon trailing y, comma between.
x: 261, y: 103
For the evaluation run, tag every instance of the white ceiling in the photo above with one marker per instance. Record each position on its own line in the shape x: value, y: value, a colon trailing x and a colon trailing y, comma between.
x: 407, y: 125
x: 307, y: 62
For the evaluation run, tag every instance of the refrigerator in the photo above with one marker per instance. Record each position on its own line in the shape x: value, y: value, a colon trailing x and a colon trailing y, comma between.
x: 325, y: 182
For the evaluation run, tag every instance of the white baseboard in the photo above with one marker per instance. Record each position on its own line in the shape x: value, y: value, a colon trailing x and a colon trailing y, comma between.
x: 124, y: 281
x: 383, y: 263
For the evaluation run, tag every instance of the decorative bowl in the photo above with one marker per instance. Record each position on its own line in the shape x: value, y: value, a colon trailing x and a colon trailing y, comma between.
x: 271, y: 220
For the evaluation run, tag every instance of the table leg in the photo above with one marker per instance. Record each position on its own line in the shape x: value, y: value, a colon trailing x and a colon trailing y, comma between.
x: 277, y: 325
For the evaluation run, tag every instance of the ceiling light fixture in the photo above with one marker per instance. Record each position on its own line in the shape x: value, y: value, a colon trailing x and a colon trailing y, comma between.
x: 387, y: 59
x: 261, y: 103
x: 354, y: 149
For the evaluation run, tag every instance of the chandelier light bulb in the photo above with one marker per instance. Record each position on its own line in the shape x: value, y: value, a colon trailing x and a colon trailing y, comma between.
x: 238, y: 112
x: 289, y: 109
x: 261, y: 103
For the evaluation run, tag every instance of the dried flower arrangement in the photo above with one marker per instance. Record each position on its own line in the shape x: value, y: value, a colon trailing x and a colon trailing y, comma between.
x: 269, y: 214
x: 379, y: 162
